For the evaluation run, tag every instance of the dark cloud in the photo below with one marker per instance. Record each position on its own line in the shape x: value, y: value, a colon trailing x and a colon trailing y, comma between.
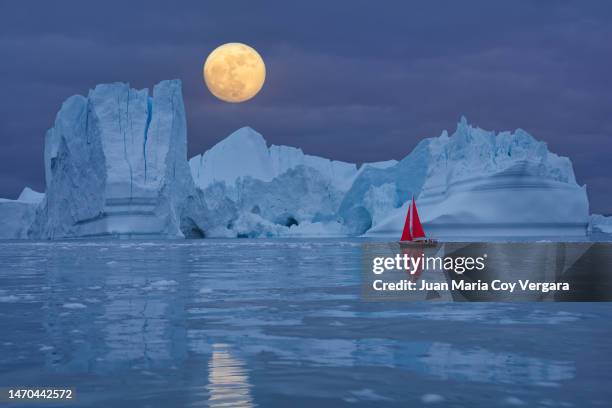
x: 352, y: 80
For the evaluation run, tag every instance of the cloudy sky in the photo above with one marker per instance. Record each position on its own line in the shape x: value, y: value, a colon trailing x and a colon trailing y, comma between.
x: 351, y: 80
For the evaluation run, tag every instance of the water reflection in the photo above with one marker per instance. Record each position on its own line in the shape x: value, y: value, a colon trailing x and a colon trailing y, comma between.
x: 228, y: 380
x: 111, y: 309
x: 163, y: 324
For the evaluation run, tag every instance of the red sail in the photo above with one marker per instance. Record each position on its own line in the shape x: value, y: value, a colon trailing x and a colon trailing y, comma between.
x: 406, y: 236
x: 417, y: 228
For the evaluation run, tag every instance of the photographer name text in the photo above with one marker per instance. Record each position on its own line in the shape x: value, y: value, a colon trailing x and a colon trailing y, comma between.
x: 495, y: 285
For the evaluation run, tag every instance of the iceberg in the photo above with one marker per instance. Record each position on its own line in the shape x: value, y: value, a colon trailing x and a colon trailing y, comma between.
x: 16, y: 216
x: 273, y: 191
x: 116, y: 165
x: 601, y: 223
x: 482, y: 184
x: 30, y: 196
x: 246, y: 153
x: 299, y: 195
x: 399, y: 182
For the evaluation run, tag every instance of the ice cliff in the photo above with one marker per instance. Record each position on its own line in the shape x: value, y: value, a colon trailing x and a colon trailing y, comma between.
x: 115, y: 164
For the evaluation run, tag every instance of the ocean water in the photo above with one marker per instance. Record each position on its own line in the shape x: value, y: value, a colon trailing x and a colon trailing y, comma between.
x: 245, y: 323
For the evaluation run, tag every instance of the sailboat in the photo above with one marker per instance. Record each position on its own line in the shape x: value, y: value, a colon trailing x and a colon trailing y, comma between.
x: 413, y: 233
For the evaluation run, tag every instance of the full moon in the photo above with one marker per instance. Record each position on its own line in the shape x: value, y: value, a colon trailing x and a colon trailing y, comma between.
x: 234, y: 72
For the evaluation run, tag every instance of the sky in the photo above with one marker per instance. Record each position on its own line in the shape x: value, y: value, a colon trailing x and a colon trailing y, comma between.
x: 351, y: 80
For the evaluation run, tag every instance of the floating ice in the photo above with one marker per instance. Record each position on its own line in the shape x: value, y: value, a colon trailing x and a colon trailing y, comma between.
x: 432, y: 398
x: 366, y: 394
x: 514, y: 401
x: 163, y: 284
x: 74, y: 306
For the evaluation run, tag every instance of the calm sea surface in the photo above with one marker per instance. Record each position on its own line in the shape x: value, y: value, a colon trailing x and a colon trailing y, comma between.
x: 267, y: 323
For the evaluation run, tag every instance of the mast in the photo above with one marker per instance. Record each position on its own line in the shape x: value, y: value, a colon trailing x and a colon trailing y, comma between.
x: 410, y: 210
x: 406, y: 235
x: 416, y: 227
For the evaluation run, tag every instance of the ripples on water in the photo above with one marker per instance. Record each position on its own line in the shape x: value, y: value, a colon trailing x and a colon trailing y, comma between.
x: 249, y: 323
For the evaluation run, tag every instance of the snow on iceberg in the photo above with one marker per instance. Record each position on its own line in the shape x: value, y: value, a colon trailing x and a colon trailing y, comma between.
x: 115, y: 164
x: 482, y: 184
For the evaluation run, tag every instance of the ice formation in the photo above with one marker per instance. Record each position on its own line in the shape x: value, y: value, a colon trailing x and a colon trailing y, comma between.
x: 30, y: 196
x: 115, y: 164
x: 246, y: 153
x: 273, y: 191
x: 601, y: 223
x: 16, y: 216
x: 398, y: 182
x: 481, y: 184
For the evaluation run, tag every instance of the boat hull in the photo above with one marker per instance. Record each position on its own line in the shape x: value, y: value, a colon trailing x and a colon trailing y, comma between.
x: 418, y: 244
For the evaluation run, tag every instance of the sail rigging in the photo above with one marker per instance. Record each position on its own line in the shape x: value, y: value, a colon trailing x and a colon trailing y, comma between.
x: 406, y: 235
